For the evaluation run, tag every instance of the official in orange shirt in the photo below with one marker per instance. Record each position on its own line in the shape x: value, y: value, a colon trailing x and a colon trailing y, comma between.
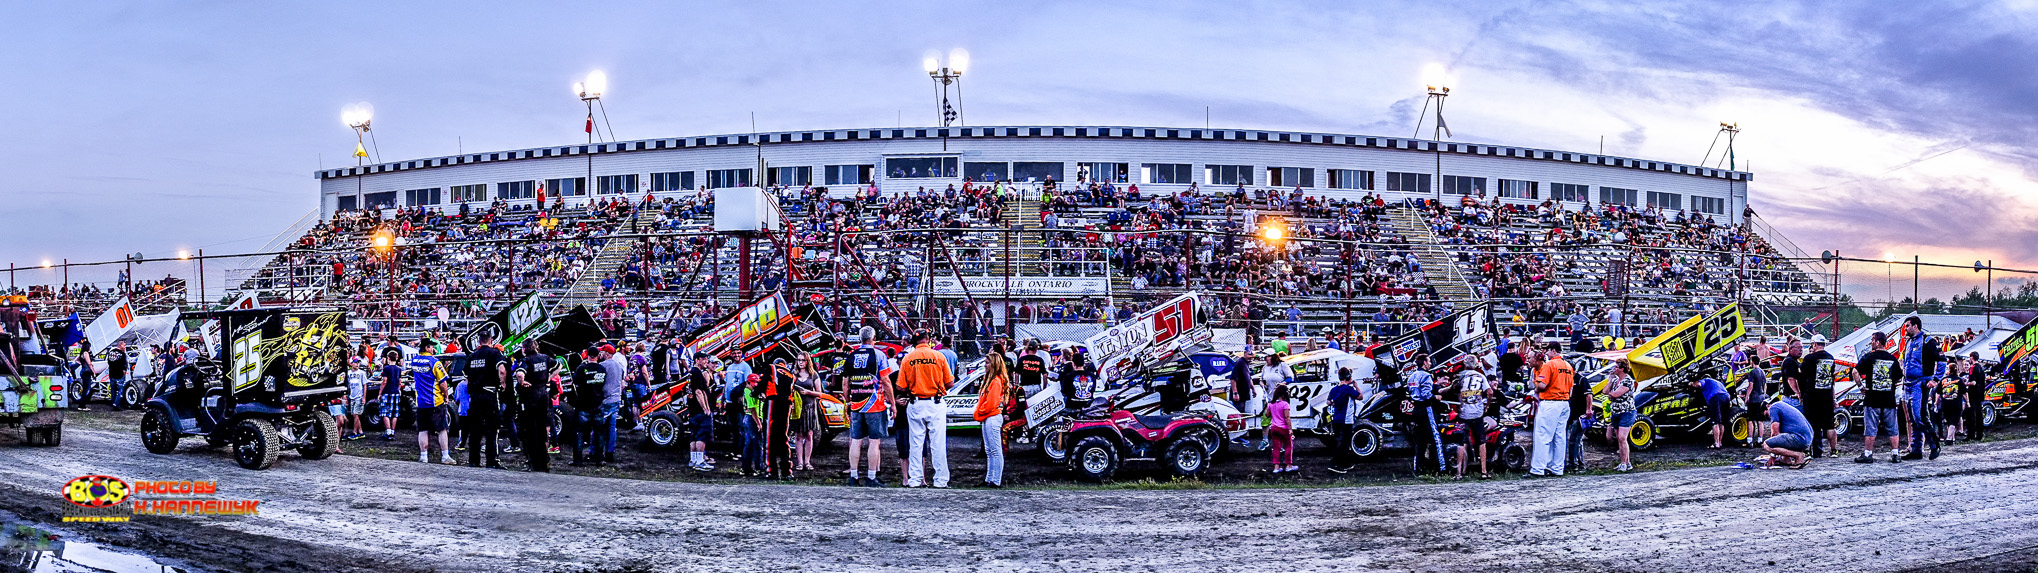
x: 1553, y: 414
x: 924, y: 377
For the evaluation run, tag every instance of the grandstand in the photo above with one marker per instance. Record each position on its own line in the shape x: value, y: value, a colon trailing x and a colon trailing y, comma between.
x: 971, y: 230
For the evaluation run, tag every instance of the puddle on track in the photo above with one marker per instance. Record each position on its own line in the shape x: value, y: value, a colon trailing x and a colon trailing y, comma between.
x: 27, y: 547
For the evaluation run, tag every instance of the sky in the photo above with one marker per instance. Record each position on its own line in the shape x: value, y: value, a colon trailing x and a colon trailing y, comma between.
x: 1877, y: 129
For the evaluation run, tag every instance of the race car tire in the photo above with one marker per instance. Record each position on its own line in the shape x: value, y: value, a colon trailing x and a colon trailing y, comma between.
x: 1365, y: 442
x: 1212, y: 440
x: 1186, y: 457
x: 1094, y: 459
x: 132, y: 393
x: 1515, y: 457
x: 324, y: 440
x: 1643, y: 434
x: 661, y: 430
x: 1051, y: 444
x: 1737, y: 427
x: 159, y: 432
x: 1843, y: 423
x: 1989, y: 415
x: 255, y: 444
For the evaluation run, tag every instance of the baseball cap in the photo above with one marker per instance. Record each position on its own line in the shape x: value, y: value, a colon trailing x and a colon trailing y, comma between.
x: 609, y: 348
x: 1818, y: 339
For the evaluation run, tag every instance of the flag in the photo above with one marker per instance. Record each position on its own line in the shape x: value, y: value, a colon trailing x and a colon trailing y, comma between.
x: 590, y: 123
x: 360, y: 151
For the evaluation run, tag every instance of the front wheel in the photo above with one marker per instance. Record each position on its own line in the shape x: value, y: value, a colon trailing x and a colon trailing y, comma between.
x: 1842, y: 423
x: 1988, y: 415
x: 1094, y: 458
x: 159, y: 431
x: 1515, y: 457
x: 1642, y: 435
x: 1186, y: 457
x: 1365, y: 442
x: 661, y: 430
x: 255, y: 444
x: 1051, y: 443
x: 324, y: 440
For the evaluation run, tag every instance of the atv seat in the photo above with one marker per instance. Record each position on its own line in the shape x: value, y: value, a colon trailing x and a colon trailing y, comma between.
x: 1155, y: 422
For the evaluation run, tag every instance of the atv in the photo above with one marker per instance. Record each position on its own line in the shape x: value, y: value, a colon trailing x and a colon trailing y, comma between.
x: 262, y: 393
x: 1101, y: 445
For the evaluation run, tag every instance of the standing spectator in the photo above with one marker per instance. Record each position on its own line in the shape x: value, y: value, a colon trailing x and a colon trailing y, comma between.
x: 1581, y: 404
x: 1793, y: 435
x: 1952, y: 392
x: 1422, y: 390
x: 392, y: 395
x: 807, y: 425
x: 781, y: 394
x: 1553, y: 380
x: 751, y: 396
x: 1977, y: 394
x: 434, y: 416
x: 1473, y: 392
x: 924, y: 375
x: 1921, y: 378
x: 1879, y: 373
x: 87, y: 383
x: 1815, y: 377
x: 1620, y: 409
x: 866, y: 385
x: 487, y: 368
x: 990, y: 414
x: 534, y: 382
x: 615, y: 367
x: 357, y: 399
x: 1344, y: 401
x: 1280, y: 431
x: 1756, y: 395
x: 1718, y: 406
x: 701, y: 418
x: 589, y: 381
x: 116, y: 375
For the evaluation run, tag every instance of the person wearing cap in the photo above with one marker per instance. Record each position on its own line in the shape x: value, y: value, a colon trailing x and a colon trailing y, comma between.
x: 924, y: 377
x: 1815, y: 391
x: 865, y: 370
x: 1879, y: 372
x: 616, y: 369
x: 357, y: 399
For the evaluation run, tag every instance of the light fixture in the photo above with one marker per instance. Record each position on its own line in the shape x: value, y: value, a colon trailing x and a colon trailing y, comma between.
x: 945, y: 76
x: 357, y: 115
x: 931, y: 62
x: 1274, y: 231
x: 183, y: 255
x: 592, y: 88
x: 45, y: 264
x: 1437, y: 78
x: 958, y: 60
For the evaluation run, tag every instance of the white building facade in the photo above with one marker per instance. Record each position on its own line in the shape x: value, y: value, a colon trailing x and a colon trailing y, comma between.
x: 1157, y: 159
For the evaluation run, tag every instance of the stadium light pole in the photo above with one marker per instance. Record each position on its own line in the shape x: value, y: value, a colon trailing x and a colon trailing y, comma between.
x: 945, y: 75
x: 1988, y: 306
x: 358, y: 117
x: 589, y: 92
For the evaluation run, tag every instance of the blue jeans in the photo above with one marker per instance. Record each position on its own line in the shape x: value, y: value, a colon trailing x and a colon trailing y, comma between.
x: 752, y: 445
x: 608, y: 424
x: 119, y: 388
x: 1923, y: 431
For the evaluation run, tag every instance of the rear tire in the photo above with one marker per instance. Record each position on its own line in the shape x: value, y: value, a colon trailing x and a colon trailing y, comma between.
x: 661, y: 430
x: 1842, y: 423
x: 1737, y: 428
x: 1365, y: 442
x: 324, y: 440
x: 159, y: 432
x: 255, y: 444
x: 1642, y: 435
x: 1094, y: 459
x: 1051, y: 445
x: 1515, y: 457
x: 132, y: 393
x: 1186, y: 457
x: 1211, y: 439
x: 1989, y: 415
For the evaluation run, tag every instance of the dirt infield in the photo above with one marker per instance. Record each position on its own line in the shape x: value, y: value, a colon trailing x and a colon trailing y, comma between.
x: 1971, y: 510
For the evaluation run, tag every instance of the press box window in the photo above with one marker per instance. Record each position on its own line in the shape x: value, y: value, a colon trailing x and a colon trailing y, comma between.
x: 417, y: 197
x: 469, y: 193
x: 1517, y: 189
x: 792, y: 176
x: 1108, y: 172
x: 848, y: 174
x: 1037, y: 170
x: 349, y: 202
x: 1666, y: 201
x: 1167, y: 173
x: 672, y: 181
x: 1291, y: 176
x: 920, y: 167
x: 1228, y: 174
x: 1570, y: 192
x: 564, y: 187
x: 1713, y: 205
x: 383, y: 200
x: 1351, y: 179
x: 1408, y: 182
x: 1461, y: 185
x: 615, y: 184
x: 516, y: 189
x: 1616, y: 195
x: 725, y: 178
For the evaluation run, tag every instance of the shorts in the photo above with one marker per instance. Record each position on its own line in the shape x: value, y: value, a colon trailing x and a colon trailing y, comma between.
x: 1788, y: 441
x: 869, y: 425
x: 1721, y: 410
x: 392, y: 405
x: 703, y: 428
x: 1624, y: 419
x: 357, y: 405
x: 1878, y: 422
x: 434, y: 418
x: 1758, y: 410
x: 1474, y: 431
x: 336, y: 410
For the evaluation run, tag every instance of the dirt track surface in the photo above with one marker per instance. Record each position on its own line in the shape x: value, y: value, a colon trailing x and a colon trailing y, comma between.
x: 1973, y: 510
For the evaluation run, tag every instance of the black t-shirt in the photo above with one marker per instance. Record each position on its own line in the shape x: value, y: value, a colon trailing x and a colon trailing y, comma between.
x: 1031, y: 369
x: 481, y: 365
x: 116, y: 365
x: 1977, y: 383
x: 700, y: 392
x: 1880, y: 374
x: 537, y: 369
x: 1815, y: 374
x: 588, y: 379
x: 659, y: 361
x: 1791, y: 370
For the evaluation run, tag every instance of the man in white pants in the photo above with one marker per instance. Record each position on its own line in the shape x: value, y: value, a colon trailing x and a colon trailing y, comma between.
x: 924, y: 377
x: 1553, y: 414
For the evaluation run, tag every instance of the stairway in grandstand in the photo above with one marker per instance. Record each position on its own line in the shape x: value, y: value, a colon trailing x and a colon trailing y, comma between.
x: 1025, y: 219
x: 587, y: 288
x: 1441, y: 269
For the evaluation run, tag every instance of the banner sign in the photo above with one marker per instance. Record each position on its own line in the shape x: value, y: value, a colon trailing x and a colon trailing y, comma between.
x: 1156, y: 333
x: 512, y: 326
x: 2020, y: 343
x: 1691, y: 341
x: 1449, y: 339
x: 994, y: 287
x: 110, y: 325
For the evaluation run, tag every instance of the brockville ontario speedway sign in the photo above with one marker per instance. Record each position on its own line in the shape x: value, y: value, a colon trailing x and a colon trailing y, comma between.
x: 1033, y: 286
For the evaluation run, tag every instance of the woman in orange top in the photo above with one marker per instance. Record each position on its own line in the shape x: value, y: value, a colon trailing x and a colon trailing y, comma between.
x: 990, y: 413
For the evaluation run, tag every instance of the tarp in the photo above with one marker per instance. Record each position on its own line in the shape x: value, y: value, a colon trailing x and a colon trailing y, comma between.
x: 110, y: 325
x: 1988, y: 346
x: 153, y: 329
x: 1228, y: 339
x: 1691, y: 341
x: 1846, y: 350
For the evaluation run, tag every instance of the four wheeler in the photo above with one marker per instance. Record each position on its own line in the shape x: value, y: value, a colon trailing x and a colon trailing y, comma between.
x: 40, y: 406
x: 264, y: 392
x: 1101, y: 446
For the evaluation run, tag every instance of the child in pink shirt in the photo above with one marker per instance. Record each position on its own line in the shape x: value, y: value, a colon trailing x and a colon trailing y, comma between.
x: 1280, y: 431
